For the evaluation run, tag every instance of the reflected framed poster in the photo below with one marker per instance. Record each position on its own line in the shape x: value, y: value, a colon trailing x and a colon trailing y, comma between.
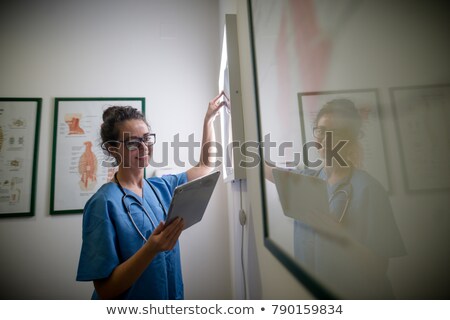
x: 79, y: 166
x: 422, y: 117
x: 19, y: 139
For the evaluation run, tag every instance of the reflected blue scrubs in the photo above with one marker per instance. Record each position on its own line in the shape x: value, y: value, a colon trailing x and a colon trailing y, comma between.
x: 369, y: 218
x: 370, y: 222
x: 109, y: 238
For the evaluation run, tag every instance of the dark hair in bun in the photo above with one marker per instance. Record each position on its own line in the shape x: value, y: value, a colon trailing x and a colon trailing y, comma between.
x: 113, y: 117
x: 347, y: 110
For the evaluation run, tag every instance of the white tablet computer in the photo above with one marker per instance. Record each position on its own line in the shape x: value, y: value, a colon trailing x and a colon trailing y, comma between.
x: 305, y: 198
x: 191, y: 199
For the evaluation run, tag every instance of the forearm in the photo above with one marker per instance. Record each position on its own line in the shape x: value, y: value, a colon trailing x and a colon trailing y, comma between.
x: 207, y: 158
x: 208, y: 142
x: 268, y: 173
x: 163, y: 238
x: 125, y: 274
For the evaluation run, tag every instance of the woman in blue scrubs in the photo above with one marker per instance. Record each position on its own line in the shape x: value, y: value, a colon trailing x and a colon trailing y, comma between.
x: 361, y: 207
x: 127, y: 251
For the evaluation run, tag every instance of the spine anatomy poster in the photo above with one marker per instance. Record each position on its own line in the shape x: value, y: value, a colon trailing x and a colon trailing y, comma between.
x: 80, y: 166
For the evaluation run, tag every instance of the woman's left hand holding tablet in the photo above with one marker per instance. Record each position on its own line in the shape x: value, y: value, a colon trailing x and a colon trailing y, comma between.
x: 164, y: 238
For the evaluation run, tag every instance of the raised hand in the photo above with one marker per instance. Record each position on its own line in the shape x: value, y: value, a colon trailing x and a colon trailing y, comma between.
x: 215, y: 105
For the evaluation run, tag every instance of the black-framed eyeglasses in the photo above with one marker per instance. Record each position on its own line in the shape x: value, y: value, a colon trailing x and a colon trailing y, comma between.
x: 319, y: 132
x: 148, y: 139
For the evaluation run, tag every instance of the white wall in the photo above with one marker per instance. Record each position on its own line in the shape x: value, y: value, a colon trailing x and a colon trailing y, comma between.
x: 165, y: 51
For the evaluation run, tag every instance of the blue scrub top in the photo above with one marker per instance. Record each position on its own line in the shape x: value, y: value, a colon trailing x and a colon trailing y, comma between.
x: 369, y: 218
x: 109, y: 238
x: 370, y: 222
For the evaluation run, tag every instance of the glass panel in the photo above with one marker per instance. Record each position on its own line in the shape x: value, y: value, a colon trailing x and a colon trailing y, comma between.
x: 361, y: 206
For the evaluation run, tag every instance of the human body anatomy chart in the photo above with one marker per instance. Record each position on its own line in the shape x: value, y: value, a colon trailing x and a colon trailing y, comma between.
x: 17, y: 139
x: 80, y: 167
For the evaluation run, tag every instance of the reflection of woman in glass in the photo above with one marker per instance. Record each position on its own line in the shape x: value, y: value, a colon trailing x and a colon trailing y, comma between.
x: 357, y: 200
x: 358, y: 203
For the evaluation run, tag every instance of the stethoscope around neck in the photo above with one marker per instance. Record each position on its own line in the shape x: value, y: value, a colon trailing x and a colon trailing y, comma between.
x: 136, y: 202
x: 347, y: 193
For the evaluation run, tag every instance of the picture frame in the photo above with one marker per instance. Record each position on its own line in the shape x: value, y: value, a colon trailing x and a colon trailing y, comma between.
x: 19, y: 145
x: 79, y: 165
x: 277, y: 249
x: 422, y: 114
x: 372, y: 140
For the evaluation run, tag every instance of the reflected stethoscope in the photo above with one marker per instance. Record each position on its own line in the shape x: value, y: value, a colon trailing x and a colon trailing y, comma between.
x: 139, y: 204
x: 341, y: 189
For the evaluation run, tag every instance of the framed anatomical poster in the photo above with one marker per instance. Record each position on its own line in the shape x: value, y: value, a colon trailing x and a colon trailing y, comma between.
x: 19, y: 138
x: 80, y: 166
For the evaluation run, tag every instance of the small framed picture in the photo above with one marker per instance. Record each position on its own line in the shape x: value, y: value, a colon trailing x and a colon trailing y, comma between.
x: 19, y: 140
x: 422, y: 116
x: 79, y: 166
